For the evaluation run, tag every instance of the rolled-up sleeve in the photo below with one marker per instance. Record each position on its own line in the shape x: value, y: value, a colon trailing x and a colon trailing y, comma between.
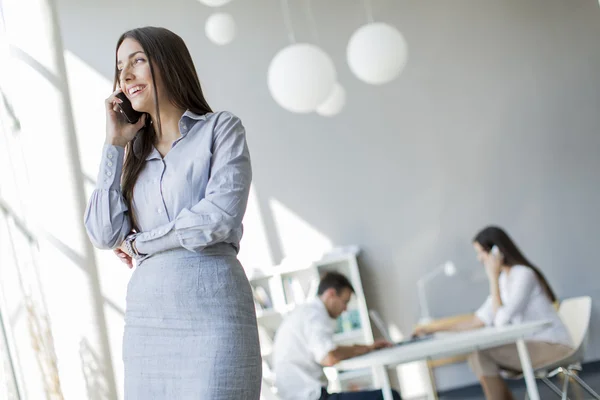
x: 521, y: 282
x: 486, y: 312
x: 106, y: 220
x: 222, y: 209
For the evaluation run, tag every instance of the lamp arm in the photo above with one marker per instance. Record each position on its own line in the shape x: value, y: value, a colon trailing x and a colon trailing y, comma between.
x: 431, y: 273
x: 421, y: 291
x: 423, y: 300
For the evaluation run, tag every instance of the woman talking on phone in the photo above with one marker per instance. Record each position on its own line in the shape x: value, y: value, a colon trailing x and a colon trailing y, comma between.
x: 519, y: 293
x: 171, y: 193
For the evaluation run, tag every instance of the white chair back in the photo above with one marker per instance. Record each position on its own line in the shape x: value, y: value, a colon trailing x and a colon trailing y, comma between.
x: 575, y: 313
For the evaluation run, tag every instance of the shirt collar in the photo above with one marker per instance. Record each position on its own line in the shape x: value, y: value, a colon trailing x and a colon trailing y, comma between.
x: 321, y: 306
x: 186, y: 122
x: 191, y: 115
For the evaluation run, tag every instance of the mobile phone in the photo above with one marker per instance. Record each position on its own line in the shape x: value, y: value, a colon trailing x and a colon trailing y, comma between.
x: 495, y: 251
x: 127, y: 110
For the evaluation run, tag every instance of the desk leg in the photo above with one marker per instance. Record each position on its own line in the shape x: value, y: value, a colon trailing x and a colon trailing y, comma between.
x: 532, y: 389
x: 432, y: 389
x: 386, y: 390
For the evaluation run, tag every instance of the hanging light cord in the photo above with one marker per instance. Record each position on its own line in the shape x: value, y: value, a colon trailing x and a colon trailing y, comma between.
x: 311, y: 21
x: 369, y: 11
x: 287, y: 20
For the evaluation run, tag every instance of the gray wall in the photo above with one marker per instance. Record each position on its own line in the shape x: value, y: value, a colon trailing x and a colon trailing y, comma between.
x: 494, y: 120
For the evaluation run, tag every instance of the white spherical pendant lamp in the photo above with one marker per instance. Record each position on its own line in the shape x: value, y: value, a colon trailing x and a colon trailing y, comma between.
x: 377, y: 53
x: 301, y: 77
x: 214, y: 3
x: 334, y: 102
x: 220, y: 28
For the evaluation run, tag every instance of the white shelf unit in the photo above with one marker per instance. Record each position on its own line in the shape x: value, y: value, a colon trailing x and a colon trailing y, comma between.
x: 279, y: 289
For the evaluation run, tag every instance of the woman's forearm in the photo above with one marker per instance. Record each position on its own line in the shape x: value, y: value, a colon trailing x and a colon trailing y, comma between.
x: 462, y: 324
x: 467, y: 325
x: 495, y: 294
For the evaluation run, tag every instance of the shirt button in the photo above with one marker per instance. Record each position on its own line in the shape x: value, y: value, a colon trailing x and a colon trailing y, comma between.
x: 110, y: 156
x: 108, y: 173
x: 158, y: 210
x: 109, y: 164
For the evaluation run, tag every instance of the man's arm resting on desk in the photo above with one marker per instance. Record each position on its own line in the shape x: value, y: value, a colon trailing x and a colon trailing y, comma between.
x: 341, y: 353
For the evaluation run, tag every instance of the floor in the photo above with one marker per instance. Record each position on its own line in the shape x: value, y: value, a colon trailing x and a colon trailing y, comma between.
x: 590, y: 374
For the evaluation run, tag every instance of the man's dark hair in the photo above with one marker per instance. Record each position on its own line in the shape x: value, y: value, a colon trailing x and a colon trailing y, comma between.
x: 334, y: 280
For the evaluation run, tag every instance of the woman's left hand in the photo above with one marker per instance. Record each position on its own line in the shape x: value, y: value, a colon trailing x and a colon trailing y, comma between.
x: 124, y: 255
x: 420, y: 331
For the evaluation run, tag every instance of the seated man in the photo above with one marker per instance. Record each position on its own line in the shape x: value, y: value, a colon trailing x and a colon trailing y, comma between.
x: 304, y: 345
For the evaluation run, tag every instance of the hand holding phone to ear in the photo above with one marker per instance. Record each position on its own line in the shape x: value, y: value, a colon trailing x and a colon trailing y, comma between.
x: 493, y: 263
x: 119, y: 132
x: 126, y: 109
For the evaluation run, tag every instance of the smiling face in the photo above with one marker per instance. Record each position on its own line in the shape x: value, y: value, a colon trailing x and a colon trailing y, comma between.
x: 135, y: 76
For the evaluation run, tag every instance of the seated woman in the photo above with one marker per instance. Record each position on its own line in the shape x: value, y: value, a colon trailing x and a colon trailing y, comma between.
x: 518, y: 293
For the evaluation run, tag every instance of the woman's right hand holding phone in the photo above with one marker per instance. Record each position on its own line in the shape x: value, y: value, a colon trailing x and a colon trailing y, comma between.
x: 118, y: 131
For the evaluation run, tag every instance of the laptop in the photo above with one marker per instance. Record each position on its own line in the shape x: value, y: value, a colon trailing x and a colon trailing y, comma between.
x: 376, y: 318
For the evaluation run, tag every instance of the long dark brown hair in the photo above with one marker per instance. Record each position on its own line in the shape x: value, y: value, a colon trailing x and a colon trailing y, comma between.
x: 168, y: 56
x: 493, y: 236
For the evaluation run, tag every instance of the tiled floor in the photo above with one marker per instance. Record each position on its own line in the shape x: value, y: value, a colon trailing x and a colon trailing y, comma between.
x: 590, y: 374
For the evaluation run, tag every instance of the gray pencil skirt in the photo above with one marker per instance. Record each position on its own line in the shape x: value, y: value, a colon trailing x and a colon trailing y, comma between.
x: 190, y: 328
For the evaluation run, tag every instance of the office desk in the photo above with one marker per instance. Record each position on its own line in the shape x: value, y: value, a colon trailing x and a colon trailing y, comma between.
x: 448, y: 345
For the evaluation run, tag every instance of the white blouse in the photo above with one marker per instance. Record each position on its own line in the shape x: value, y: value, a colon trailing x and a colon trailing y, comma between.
x: 524, y: 300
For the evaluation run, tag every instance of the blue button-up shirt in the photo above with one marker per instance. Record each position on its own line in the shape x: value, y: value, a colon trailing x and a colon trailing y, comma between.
x: 193, y: 197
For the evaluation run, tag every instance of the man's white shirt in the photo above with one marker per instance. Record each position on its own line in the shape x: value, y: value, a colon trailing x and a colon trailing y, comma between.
x: 303, y: 340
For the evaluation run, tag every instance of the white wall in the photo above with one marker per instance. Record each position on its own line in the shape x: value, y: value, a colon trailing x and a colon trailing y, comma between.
x: 494, y: 120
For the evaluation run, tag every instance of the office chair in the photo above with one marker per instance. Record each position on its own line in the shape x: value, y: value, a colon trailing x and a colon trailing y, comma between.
x: 575, y: 313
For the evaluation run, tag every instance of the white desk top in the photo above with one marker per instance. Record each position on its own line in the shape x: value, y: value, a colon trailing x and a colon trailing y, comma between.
x: 444, y: 345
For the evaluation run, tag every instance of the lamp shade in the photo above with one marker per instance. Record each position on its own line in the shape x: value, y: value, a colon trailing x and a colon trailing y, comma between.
x: 220, y: 28
x: 449, y: 268
x: 377, y: 53
x: 214, y: 3
x: 301, y: 77
x: 334, y: 102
